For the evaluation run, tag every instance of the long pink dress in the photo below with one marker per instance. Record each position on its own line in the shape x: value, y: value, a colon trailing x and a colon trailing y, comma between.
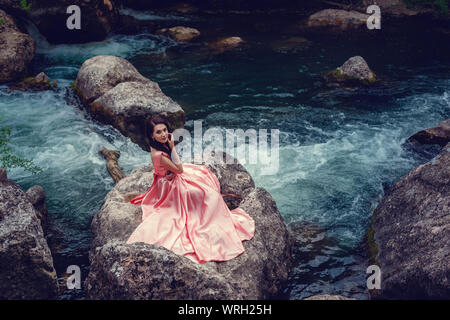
x: 189, y: 216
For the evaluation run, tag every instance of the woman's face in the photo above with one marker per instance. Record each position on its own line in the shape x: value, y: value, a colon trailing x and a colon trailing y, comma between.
x: 160, y: 133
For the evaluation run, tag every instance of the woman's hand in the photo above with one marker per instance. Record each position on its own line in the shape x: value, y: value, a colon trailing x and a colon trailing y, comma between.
x: 171, y: 141
x: 170, y: 176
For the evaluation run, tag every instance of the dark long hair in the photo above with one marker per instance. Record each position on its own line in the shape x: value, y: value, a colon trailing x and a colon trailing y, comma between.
x: 151, y: 123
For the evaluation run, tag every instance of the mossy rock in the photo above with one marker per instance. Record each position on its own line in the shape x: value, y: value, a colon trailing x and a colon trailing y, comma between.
x: 31, y: 84
x: 372, y: 246
x: 336, y: 76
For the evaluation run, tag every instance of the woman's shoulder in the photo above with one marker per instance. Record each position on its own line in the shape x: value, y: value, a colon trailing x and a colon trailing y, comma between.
x: 157, y: 153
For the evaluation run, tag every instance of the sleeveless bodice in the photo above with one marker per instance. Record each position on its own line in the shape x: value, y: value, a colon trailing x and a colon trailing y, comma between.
x: 160, y: 170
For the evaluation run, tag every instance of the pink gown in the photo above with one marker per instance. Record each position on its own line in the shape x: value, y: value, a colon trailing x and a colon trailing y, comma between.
x: 189, y: 216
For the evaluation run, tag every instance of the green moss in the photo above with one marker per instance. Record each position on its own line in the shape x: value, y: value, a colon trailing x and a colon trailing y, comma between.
x: 24, y: 5
x: 338, y: 73
x: 372, y: 246
x: 76, y: 90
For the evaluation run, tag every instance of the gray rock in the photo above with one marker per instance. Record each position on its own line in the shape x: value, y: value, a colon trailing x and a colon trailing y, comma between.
x: 354, y: 72
x: 42, y: 77
x: 412, y: 231
x: 100, y: 74
x: 36, y: 195
x: 115, y: 93
x: 26, y: 263
x: 146, y: 271
x: 16, y: 50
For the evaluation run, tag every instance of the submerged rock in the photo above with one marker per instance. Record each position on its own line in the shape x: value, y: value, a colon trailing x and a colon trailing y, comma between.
x: 226, y: 44
x: 337, y: 20
x: 291, y: 45
x: 411, y: 233
x: 26, y: 263
x: 40, y: 82
x: 180, y: 34
x: 16, y: 50
x: 354, y: 72
x: 114, y: 92
x: 146, y: 271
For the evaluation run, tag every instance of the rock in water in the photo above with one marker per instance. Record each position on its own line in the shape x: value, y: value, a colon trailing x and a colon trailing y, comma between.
x: 26, y: 263
x: 115, y: 93
x: 16, y: 50
x: 412, y: 231
x: 354, y: 72
x: 146, y: 271
x: 337, y: 20
x: 439, y: 135
x: 226, y: 44
x: 180, y: 34
x: 40, y: 82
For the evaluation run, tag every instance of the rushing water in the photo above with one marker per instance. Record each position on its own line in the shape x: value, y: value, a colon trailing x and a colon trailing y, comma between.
x: 339, y: 150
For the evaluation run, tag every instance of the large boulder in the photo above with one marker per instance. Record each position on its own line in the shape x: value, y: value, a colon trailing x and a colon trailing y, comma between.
x: 16, y: 50
x: 98, y: 18
x: 411, y: 233
x: 114, y: 92
x: 26, y: 263
x: 146, y: 271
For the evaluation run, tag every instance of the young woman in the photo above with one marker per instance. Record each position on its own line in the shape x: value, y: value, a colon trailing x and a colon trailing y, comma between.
x: 183, y: 210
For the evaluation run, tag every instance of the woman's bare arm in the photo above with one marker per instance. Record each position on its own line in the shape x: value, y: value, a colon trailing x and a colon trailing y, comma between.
x: 169, y: 165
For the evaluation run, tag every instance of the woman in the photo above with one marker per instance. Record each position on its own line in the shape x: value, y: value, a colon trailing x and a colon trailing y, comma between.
x: 183, y: 210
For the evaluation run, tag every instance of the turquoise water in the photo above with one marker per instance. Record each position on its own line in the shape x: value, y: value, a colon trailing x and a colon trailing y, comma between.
x: 339, y: 150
